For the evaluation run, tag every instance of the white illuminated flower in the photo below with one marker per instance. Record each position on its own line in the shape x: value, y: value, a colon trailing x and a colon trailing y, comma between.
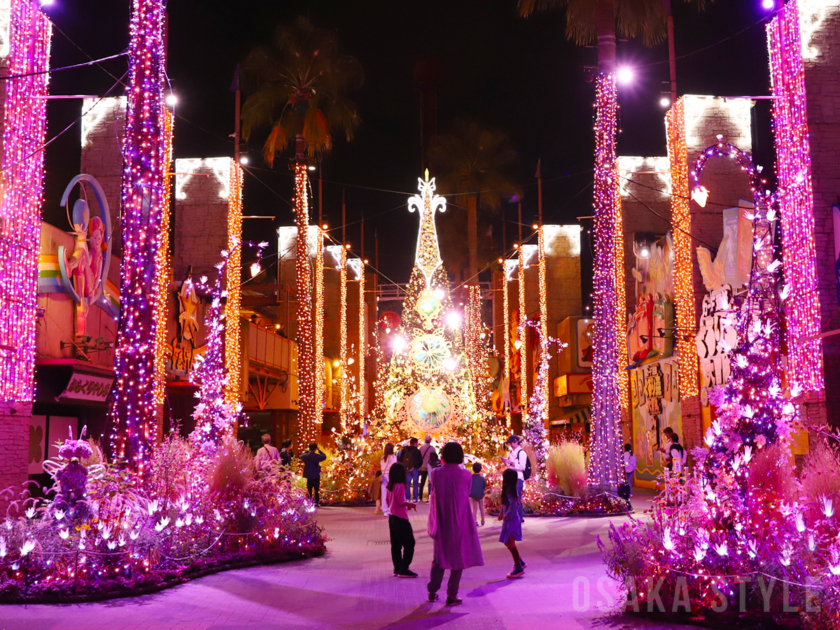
x: 134, y: 534
x: 827, y: 507
x: 717, y: 427
x: 112, y: 545
x: 699, y: 554
x: 64, y: 534
x: 747, y: 454
x: 771, y: 214
x: 199, y: 519
x: 749, y: 412
x: 58, y: 514
x: 3, y: 550
x: 721, y: 549
x: 774, y: 265
x: 162, y: 523
x: 30, y: 513
x: 789, y: 409
x: 724, y: 346
x: 739, y: 527
x: 28, y: 546
x: 179, y: 523
x: 742, y: 361
x: 188, y: 519
x: 835, y: 569
x: 106, y: 533
x: 667, y: 541
x: 277, y: 532
x: 736, y: 462
x: 153, y: 507
x: 121, y: 540
x: 796, y: 390
x: 812, y: 544
x: 800, y: 522
x: 245, y: 504
x: 709, y: 438
x: 785, y: 559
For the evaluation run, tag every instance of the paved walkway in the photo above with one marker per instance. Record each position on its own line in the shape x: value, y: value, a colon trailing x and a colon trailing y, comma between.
x: 352, y: 587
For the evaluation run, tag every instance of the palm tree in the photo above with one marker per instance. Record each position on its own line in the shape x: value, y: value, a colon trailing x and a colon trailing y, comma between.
x: 600, y: 21
x: 475, y: 164
x: 299, y: 87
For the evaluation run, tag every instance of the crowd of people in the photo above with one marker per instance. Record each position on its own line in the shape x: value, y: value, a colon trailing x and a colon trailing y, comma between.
x: 456, y: 498
x: 456, y: 502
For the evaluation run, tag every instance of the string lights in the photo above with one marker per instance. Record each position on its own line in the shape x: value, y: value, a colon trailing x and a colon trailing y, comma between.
x: 362, y: 389
x: 795, y: 198
x: 344, y: 382
x: 22, y: 187
x: 683, y: 267
x: 163, y: 270
x: 523, y: 337
x: 506, y: 271
x: 545, y: 384
x: 233, y: 270
x: 607, y: 445
x: 320, y: 372
x: 132, y: 412
x: 306, y: 361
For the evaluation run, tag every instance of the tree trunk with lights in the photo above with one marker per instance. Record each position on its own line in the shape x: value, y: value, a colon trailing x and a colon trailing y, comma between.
x: 472, y: 238
x: 132, y: 411
x: 607, y: 438
x: 306, y: 357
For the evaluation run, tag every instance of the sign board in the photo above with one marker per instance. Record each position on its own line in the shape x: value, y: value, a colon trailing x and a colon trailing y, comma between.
x: 569, y: 384
x: 87, y: 387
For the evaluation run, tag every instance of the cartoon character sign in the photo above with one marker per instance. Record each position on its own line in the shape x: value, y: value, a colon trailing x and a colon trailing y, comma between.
x: 85, y: 270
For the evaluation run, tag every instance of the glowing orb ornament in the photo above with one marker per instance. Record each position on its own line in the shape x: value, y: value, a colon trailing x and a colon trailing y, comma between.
x: 428, y: 306
x: 429, y: 352
x: 429, y: 409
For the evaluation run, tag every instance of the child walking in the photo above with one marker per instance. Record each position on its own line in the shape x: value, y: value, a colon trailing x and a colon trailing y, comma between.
x: 511, y: 522
x: 477, y: 491
x: 402, y: 536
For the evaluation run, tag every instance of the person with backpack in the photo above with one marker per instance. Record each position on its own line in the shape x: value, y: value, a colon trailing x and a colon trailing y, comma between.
x: 519, y: 461
x: 426, y: 452
x: 511, y: 523
x: 412, y: 460
x: 677, y: 453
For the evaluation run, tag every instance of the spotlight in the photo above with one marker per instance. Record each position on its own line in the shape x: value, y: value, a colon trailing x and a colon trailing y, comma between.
x: 664, y: 101
x: 399, y: 344
x: 536, y: 226
x: 312, y: 167
x: 624, y: 75
x: 336, y: 363
x: 767, y: 5
x: 453, y: 320
x: 644, y: 253
x: 439, y: 294
x: 171, y: 99
x: 449, y: 364
x: 325, y: 227
x: 347, y: 246
x: 243, y: 159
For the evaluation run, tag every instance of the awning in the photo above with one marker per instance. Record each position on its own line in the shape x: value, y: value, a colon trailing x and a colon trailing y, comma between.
x: 576, y: 415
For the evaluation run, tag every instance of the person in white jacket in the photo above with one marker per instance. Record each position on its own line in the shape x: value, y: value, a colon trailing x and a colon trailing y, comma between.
x: 630, y: 463
x: 518, y: 461
x: 388, y: 460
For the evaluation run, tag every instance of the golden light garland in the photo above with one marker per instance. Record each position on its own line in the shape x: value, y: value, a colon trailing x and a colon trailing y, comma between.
x: 544, y: 315
x: 344, y: 382
x: 523, y: 338
x: 163, y: 270
x: 362, y: 390
x: 233, y: 349
x: 474, y: 347
x: 506, y: 308
x: 681, y: 233
x: 306, y: 360
x: 320, y: 371
x: 620, y: 301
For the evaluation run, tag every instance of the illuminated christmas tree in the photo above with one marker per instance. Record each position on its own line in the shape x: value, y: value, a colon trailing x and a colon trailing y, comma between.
x: 429, y: 387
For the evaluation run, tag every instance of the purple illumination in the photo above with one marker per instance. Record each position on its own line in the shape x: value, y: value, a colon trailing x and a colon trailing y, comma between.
x: 606, y: 461
x: 768, y: 5
x: 625, y: 75
x: 133, y: 402
x: 22, y: 196
x: 796, y: 199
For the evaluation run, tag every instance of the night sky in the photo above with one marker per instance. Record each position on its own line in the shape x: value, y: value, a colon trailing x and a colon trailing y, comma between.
x: 518, y: 75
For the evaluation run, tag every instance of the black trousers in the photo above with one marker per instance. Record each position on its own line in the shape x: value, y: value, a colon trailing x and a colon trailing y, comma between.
x: 424, y: 474
x: 402, y: 543
x: 313, y: 486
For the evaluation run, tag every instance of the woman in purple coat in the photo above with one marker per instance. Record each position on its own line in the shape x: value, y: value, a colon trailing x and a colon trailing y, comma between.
x: 456, y: 537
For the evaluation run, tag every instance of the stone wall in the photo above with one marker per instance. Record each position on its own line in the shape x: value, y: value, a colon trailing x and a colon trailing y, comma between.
x: 102, y: 133
x: 200, y: 224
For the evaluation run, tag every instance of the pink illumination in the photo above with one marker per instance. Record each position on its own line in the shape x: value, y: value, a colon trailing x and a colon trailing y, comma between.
x: 796, y: 201
x: 133, y: 401
x: 22, y: 197
x: 607, y: 447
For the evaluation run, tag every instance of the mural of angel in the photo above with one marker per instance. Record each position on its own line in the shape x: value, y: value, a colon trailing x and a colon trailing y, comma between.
x: 85, y: 270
